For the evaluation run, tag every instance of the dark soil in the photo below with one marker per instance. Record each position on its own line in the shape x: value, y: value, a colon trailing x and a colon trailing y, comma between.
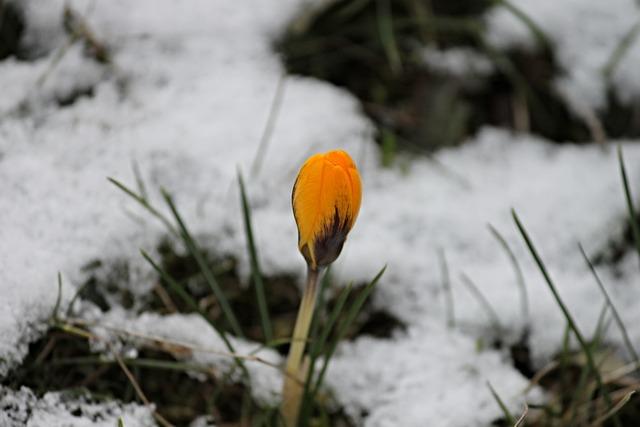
x: 420, y: 109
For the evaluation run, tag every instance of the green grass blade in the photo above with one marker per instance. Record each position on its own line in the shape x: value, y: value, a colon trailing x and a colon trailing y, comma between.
x: 621, y: 50
x: 578, y: 394
x: 524, y: 297
x: 56, y: 307
x: 120, y: 422
x: 143, y: 201
x: 261, y: 297
x: 333, y: 317
x: 267, y: 132
x: 351, y: 315
x: 565, y: 311
x: 320, y: 305
x: 600, y: 325
x: 633, y: 219
x: 387, y: 35
x: 316, y: 348
x: 389, y: 147
x: 448, y: 294
x: 507, y: 414
x: 484, y: 303
x: 204, y: 267
x: 184, y: 295
x: 170, y: 281
x: 350, y: 9
x: 534, y: 28
x: 142, y: 188
x: 614, y: 311
x: 564, y: 353
x: 246, y: 407
x: 274, y: 344
x: 423, y: 13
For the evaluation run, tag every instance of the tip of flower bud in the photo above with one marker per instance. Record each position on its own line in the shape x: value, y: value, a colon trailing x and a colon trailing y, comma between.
x: 326, y: 200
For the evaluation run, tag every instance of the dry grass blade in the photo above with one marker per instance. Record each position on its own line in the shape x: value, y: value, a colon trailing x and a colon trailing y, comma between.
x: 78, y: 28
x: 614, y: 410
x: 165, y: 298
x: 162, y: 342
x: 620, y: 372
x: 535, y: 380
x: 520, y: 421
x: 139, y: 391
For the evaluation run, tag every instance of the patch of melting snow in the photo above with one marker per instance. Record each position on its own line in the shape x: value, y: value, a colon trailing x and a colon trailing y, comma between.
x: 19, y: 408
x: 584, y: 34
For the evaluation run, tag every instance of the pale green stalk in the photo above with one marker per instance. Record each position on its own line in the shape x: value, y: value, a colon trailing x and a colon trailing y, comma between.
x: 293, y: 388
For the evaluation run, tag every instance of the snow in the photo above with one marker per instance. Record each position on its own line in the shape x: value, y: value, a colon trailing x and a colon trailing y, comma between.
x: 551, y: 188
x: 458, y: 62
x: 584, y: 35
x: 206, y: 347
x: 22, y: 408
x: 186, y: 100
x: 413, y: 388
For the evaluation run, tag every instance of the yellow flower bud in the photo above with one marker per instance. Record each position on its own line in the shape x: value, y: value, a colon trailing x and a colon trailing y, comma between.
x: 326, y: 200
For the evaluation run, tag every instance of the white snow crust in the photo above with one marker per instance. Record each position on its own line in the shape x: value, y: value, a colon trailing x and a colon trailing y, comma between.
x: 584, y: 35
x: 22, y: 408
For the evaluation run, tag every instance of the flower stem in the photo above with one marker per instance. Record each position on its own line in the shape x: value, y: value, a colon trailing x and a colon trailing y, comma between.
x: 296, y: 375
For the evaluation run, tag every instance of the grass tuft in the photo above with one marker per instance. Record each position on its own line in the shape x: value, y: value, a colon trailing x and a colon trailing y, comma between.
x: 633, y: 218
x: 586, y: 348
x: 327, y: 331
x: 256, y: 274
x: 351, y: 314
x: 204, y: 267
x: 614, y: 311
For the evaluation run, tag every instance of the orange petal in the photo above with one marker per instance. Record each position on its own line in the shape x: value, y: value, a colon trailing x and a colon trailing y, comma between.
x: 326, y: 200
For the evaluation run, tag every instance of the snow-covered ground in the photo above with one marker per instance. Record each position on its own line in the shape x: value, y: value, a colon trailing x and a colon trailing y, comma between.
x: 22, y: 407
x: 584, y: 36
x: 186, y: 99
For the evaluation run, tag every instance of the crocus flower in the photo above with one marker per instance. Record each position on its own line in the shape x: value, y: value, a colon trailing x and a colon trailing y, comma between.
x: 326, y: 199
